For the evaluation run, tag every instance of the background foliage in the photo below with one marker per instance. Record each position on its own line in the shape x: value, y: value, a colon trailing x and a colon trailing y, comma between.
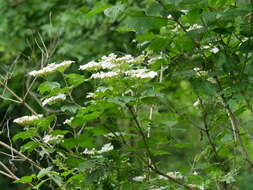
x: 194, y: 117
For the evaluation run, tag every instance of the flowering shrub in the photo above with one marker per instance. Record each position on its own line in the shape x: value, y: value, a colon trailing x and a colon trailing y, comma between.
x: 176, y: 115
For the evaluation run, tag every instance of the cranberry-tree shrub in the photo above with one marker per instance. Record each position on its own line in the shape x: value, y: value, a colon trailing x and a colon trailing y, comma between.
x: 177, y: 115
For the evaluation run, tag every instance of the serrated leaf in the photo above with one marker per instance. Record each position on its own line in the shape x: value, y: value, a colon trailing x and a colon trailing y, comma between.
x: 25, y: 179
x: 48, y: 87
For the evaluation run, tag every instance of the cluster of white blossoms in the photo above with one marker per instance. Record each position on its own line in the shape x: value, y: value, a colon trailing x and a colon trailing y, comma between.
x: 51, y: 138
x: 196, y: 103
x: 107, y: 62
x: 200, y: 73
x: 139, y: 178
x: 27, y: 120
x: 114, y: 63
x: 211, y: 49
x: 174, y: 175
x: 90, y: 95
x: 68, y: 121
x: 194, y: 27
x: 54, y: 99
x: 51, y: 68
x: 141, y: 73
x: 102, y: 75
x: 106, y: 148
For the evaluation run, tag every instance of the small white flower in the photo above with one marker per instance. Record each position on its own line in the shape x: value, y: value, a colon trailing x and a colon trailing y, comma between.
x: 140, y: 178
x: 92, y: 65
x: 196, y: 69
x: 51, y: 68
x: 196, y: 103
x: 141, y: 73
x: 102, y: 75
x: 169, y: 16
x: 90, y: 152
x: 106, y: 148
x: 184, y: 11
x: 68, y: 121
x: 175, y: 175
x: 27, y: 120
x: 214, y: 50
x: 176, y: 29
x: 51, y: 138
x: 206, y: 47
x: 54, y: 99
x: 140, y: 58
x: 194, y: 27
x: 125, y: 59
x: 153, y: 59
x: 110, y: 58
x: 90, y: 95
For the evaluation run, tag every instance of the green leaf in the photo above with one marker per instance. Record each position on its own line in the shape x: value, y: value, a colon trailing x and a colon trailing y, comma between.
x: 98, y: 9
x: 143, y: 24
x: 70, y: 108
x: 25, y: 135
x: 44, y: 172
x: 44, y: 123
x: 74, y: 79
x: 86, y: 165
x: 29, y: 147
x: 25, y: 179
x: 48, y: 87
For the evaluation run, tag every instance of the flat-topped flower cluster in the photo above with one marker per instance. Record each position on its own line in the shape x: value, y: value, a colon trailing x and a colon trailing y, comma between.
x: 27, y: 120
x: 51, y: 68
x: 114, y: 67
x: 105, y: 148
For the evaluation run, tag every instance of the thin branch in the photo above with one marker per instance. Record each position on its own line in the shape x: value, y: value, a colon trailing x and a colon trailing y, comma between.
x: 18, y: 98
x: 234, y: 125
x: 144, y: 138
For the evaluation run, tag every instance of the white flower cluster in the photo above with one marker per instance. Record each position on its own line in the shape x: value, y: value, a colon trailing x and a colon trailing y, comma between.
x: 90, y: 95
x: 113, y: 62
x: 141, y: 73
x: 90, y: 152
x: 200, y: 73
x: 106, y: 148
x: 51, y: 138
x: 54, y: 99
x: 68, y: 121
x: 139, y: 178
x: 196, y: 103
x: 107, y: 62
x: 102, y: 75
x: 184, y: 11
x: 27, y: 120
x: 194, y: 27
x: 211, y: 49
x: 174, y: 175
x: 51, y: 68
